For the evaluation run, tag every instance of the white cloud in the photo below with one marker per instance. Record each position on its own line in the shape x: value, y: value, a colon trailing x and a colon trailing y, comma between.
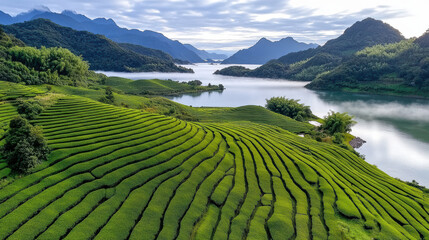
x: 227, y: 24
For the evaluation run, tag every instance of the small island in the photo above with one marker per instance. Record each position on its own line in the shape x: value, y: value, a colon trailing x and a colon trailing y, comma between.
x: 157, y: 87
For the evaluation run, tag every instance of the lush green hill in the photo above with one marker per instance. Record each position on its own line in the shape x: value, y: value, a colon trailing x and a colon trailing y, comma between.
x: 100, y: 52
x: 306, y: 65
x: 423, y: 41
x: 156, y: 86
x: 399, y: 68
x: 29, y: 65
x: 118, y: 173
x: 147, y: 51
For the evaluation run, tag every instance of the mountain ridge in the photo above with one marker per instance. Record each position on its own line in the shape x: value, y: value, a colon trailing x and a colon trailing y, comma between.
x: 110, y: 29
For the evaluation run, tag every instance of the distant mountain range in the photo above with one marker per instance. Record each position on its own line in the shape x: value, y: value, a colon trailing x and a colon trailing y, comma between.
x: 204, y: 54
x: 265, y: 50
x: 101, y: 52
x: 108, y: 28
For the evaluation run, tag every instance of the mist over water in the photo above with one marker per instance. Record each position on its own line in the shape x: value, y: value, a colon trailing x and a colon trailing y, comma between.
x: 396, y: 129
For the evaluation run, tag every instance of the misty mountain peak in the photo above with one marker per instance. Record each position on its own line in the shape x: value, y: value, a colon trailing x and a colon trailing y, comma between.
x: 37, y: 9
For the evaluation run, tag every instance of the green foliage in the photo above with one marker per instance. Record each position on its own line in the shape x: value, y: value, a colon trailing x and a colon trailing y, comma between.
x: 100, y: 52
x: 29, y: 109
x: 12, y: 91
x: 156, y: 86
x: 25, y: 146
x: 415, y: 184
x: 237, y: 71
x: 108, y: 98
x: 34, y: 66
x: 336, y: 122
x: 289, y: 107
x: 309, y: 64
x: 399, y: 68
x: 338, y: 138
x: 195, y: 83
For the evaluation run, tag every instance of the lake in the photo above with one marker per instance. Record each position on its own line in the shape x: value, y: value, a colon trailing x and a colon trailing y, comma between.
x: 396, y: 129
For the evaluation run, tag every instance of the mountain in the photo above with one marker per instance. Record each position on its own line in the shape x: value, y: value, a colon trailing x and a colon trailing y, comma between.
x: 307, y: 65
x: 398, y: 68
x: 110, y: 29
x: 423, y: 41
x: 5, y: 18
x: 265, y: 50
x: 362, y: 34
x: 147, y: 51
x: 100, y: 52
x: 204, y: 54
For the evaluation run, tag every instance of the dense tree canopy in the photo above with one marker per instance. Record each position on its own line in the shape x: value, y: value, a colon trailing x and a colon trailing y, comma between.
x: 289, y: 107
x: 336, y: 122
x: 25, y: 146
x: 400, y: 68
x: 30, y: 65
x: 29, y: 109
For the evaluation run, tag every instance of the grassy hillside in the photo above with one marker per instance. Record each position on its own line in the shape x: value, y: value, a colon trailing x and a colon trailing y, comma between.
x: 117, y: 173
x: 155, y: 86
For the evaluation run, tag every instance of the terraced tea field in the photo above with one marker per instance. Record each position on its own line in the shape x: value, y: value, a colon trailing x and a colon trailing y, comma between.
x: 7, y: 112
x: 118, y: 173
x: 10, y: 91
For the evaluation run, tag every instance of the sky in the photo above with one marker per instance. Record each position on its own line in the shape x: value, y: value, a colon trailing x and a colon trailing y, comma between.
x: 230, y: 25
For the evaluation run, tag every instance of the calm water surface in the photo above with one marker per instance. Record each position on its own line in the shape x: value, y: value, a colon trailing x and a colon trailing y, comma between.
x: 396, y: 129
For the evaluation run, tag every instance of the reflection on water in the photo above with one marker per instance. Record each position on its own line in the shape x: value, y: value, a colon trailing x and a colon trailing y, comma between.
x: 396, y: 129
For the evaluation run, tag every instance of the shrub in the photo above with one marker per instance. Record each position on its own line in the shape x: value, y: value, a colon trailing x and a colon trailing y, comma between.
x: 336, y: 122
x: 195, y: 83
x: 109, y: 98
x: 338, y: 138
x: 25, y: 146
x: 289, y: 107
x: 29, y: 109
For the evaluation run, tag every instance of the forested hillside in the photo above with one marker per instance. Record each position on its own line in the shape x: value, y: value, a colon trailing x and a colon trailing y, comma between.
x: 29, y: 65
x: 400, y: 68
x: 100, y: 52
x: 306, y: 65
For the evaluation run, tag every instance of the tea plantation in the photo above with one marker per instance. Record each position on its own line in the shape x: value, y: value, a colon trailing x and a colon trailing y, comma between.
x: 117, y: 173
